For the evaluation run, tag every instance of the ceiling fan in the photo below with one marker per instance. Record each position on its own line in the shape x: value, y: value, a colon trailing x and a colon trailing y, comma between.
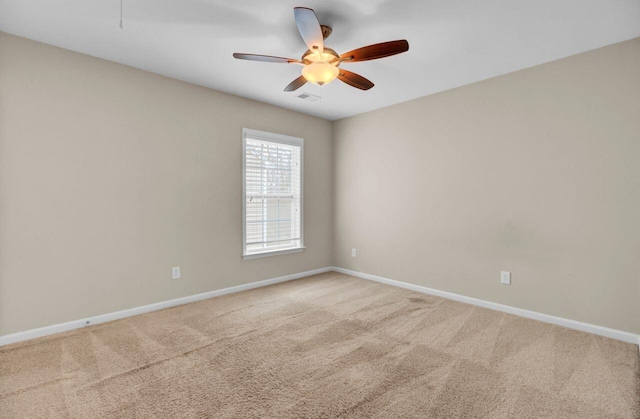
x: 320, y: 65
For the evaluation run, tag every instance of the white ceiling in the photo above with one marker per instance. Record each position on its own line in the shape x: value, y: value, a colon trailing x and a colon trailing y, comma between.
x: 452, y: 42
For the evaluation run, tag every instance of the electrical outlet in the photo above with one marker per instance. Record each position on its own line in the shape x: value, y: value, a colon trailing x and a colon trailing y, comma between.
x: 505, y: 277
x: 353, y: 253
x: 175, y: 272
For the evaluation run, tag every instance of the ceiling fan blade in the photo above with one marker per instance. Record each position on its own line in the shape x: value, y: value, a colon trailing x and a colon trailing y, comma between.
x: 355, y: 80
x: 296, y: 84
x: 264, y: 58
x: 372, y: 52
x: 309, y: 28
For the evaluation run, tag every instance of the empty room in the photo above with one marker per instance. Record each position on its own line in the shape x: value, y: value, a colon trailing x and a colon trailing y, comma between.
x: 336, y: 209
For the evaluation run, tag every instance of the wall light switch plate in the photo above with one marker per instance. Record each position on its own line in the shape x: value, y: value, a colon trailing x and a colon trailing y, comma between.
x: 175, y: 272
x: 353, y: 253
x: 505, y: 277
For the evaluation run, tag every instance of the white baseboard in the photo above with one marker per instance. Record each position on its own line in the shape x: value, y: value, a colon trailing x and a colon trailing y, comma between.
x: 571, y: 324
x: 102, y: 318
x: 76, y: 324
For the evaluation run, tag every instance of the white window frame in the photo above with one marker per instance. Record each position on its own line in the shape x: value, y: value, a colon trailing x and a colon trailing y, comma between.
x: 276, y: 138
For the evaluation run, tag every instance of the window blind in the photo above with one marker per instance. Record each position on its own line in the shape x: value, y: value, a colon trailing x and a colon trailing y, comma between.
x: 273, y: 194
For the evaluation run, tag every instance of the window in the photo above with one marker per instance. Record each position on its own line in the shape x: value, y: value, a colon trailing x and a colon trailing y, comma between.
x: 272, y: 194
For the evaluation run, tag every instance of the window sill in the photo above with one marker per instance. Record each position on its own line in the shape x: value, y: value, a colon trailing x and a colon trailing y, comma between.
x: 273, y: 253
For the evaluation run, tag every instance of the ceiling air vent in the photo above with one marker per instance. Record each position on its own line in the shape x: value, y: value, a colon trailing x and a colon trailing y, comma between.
x: 308, y: 97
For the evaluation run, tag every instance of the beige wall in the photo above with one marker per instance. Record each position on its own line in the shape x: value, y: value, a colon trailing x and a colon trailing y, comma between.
x: 536, y: 172
x: 109, y: 176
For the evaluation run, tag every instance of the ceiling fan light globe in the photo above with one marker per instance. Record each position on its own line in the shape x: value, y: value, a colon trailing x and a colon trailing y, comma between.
x: 320, y: 73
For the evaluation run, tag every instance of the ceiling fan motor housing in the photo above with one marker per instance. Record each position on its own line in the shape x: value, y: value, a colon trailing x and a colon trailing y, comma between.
x: 327, y: 56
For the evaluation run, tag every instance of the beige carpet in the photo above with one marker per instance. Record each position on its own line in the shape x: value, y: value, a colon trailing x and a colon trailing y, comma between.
x: 324, y: 346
